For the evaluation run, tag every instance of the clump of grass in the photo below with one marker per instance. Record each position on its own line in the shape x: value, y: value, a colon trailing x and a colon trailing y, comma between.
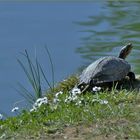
x: 67, y: 84
x: 35, y: 75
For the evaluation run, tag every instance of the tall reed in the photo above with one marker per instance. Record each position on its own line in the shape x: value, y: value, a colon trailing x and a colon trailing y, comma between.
x: 35, y: 75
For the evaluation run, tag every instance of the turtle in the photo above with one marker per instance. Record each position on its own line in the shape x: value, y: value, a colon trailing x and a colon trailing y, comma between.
x: 107, y: 70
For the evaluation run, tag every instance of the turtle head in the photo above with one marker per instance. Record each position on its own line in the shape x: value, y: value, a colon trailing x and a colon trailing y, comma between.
x: 125, y: 51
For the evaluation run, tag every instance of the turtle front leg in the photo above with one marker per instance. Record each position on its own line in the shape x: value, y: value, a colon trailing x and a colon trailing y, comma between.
x: 83, y: 87
x: 132, y: 78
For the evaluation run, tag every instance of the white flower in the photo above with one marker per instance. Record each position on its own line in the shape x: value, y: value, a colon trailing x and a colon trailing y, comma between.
x: 68, y: 99
x: 95, y: 100
x: 2, y: 136
x: 15, y: 109
x: 39, y: 102
x: 55, y: 100
x: 35, y: 105
x: 58, y: 93
x: 78, y: 102
x: 44, y: 100
x: 74, y: 98
x: 1, y: 116
x: 75, y: 91
x: 95, y: 89
x: 71, y: 98
x: 33, y: 109
x: 103, y: 102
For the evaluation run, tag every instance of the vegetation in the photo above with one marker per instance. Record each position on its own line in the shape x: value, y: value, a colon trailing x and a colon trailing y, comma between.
x: 63, y: 113
x: 109, y: 114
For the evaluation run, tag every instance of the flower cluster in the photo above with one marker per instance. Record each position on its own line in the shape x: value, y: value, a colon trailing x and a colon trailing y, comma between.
x: 56, y: 98
x: 58, y: 93
x: 102, y: 102
x: 75, y: 91
x: 77, y: 101
x: 73, y: 97
x: 38, y: 103
x: 15, y: 109
x: 96, y: 89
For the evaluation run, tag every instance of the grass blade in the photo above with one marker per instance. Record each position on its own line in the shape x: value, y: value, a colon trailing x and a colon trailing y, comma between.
x: 26, y: 94
x: 27, y: 73
x: 44, y: 76
x: 31, y: 69
x: 52, y: 67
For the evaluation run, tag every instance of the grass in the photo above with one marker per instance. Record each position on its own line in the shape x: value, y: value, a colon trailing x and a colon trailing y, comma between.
x: 86, y: 117
x: 105, y: 114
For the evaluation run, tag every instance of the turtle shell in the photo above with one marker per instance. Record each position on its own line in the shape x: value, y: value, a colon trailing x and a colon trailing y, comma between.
x: 105, y: 69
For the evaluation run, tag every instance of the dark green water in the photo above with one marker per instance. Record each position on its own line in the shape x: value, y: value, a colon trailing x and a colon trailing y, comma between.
x: 104, y: 33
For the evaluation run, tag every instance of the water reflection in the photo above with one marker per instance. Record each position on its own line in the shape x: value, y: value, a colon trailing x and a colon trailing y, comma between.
x: 116, y: 24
